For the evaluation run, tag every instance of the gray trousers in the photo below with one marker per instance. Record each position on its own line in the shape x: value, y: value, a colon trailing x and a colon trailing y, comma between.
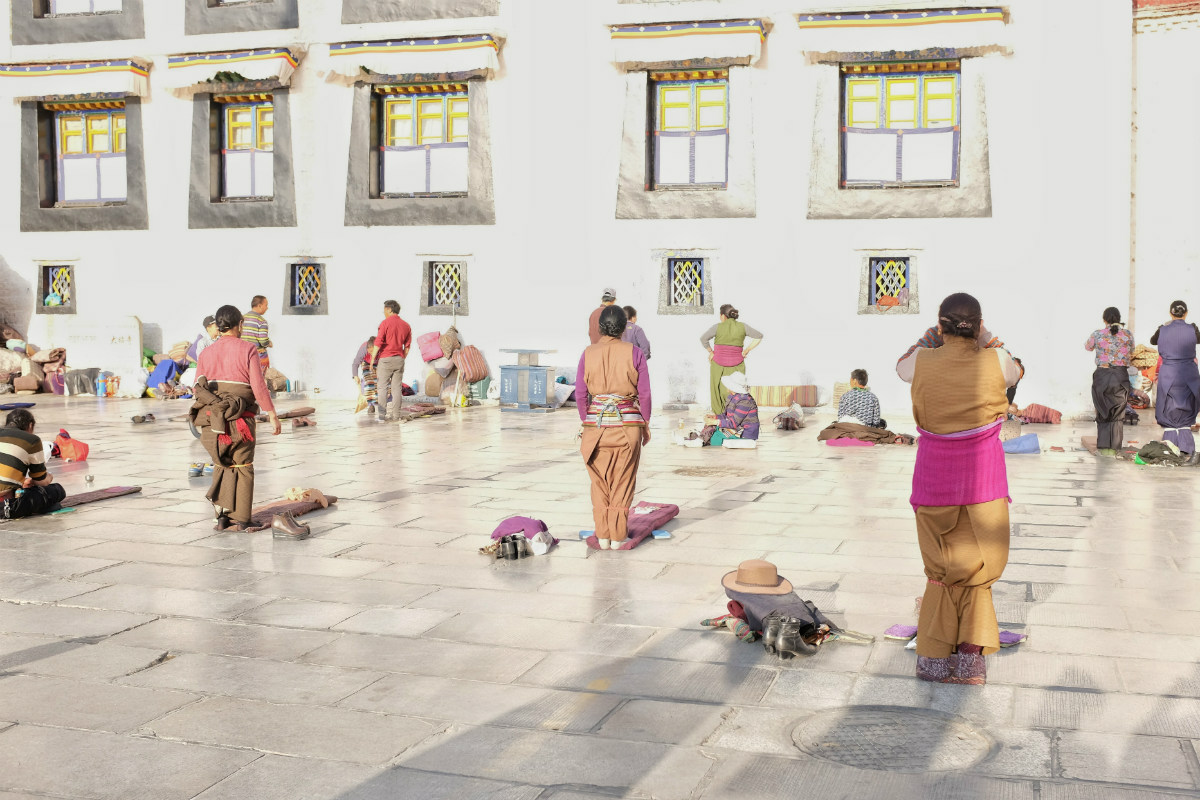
x: 391, y: 373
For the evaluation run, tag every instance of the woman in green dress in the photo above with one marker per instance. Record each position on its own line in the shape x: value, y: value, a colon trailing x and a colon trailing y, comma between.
x: 728, y: 343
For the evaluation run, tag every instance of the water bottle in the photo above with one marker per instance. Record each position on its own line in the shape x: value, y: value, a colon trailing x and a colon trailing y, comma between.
x: 101, y: 386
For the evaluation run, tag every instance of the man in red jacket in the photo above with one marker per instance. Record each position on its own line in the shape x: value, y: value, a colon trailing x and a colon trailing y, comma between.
x: 391, y: 347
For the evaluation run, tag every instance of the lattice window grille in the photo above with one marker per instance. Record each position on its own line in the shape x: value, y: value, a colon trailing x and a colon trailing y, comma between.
x: 308, y: 284
x: 446, y: 283
x: 59, y: 286
x: 889, y: 278
x: 687, y: 281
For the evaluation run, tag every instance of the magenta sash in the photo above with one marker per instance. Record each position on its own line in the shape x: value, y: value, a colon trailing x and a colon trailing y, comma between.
x: 959, y: 469
x: 727, y: 355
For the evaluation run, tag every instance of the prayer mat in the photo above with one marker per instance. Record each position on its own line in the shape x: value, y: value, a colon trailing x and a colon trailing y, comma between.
x: 261, y: 517
x: 644, y: 518
x: 83, y: 498
x: 295, y: 412
x: 848, y: 443
x: 15, y: 406
x: 418, y: 410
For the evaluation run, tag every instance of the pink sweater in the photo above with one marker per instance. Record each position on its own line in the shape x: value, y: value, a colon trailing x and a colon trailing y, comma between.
x: 230, y: 360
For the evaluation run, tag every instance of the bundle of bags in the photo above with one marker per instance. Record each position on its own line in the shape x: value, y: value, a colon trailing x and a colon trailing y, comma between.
x: 451, y: 366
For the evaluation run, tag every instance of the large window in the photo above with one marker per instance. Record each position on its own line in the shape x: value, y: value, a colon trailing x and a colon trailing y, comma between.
x: 900, y: 124
x: 60, y: 8
x: 89, y: 152
x: 691, y: 129
x: 423, y: 141
x: 247, y: 146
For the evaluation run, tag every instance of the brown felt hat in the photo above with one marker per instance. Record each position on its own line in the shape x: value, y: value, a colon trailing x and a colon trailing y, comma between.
x: 756, y: 577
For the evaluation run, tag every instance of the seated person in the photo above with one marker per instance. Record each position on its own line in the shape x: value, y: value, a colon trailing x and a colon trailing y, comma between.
x: 1034, y: 413
x: 860, y: 404
x: 25, y: 485
x: 740, y: 417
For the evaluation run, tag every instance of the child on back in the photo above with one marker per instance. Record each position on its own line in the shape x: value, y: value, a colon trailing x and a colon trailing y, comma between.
x: 860, y: 404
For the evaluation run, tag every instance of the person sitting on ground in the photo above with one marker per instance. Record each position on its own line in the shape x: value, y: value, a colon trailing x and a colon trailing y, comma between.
x: 634, y: 333
x: 26, y: 488
x: 740, y: 418
x: 207, y: 337
x: 860, y: 404
x: 1035, y: 413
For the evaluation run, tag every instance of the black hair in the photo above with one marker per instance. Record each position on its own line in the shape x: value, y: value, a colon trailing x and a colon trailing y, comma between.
x: 1113, y: 317
x: 630, y: 312
x: 19, y: 418
x: 393, y: 305
x: 227, y: 318
x: 729, y: 312
x: 612, y: 321
x: 370, y: 341
x: 960, y: 315
x: 256, y: 301
x: 1178, y: 309
x: 859, y: 375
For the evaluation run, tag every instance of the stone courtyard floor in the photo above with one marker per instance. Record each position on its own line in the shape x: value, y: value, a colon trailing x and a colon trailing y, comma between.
x: 144, y: 656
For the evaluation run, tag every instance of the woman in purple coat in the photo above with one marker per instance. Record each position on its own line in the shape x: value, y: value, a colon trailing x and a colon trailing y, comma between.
x: 1178, y: 379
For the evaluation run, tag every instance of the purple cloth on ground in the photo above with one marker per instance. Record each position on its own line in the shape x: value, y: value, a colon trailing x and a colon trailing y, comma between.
x: 959, y: 469
x: 848, y: 443
x: 528, y: 526
x: 901, y: 631
x: 1008, y: 637
x: 642, y: 524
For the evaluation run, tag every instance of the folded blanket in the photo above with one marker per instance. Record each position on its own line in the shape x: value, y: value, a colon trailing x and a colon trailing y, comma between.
x: 644, y: 519
x: 851, y: 430
x: 1041, y: 414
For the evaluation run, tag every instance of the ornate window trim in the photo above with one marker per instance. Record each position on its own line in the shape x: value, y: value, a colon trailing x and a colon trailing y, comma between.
x: 871, y: 281
x: 665, y: 262
x: 430, y: 276
x: 304, y: 279
x: 54, y: 277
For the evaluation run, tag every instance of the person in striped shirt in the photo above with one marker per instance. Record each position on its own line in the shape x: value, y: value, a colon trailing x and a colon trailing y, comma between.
x: 255, y: 331
x: 26, y: 488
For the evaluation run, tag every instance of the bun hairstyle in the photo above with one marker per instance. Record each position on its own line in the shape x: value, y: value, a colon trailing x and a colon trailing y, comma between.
x: 729, y: 312
x: 228, y: 318
x: 612, y: 321
x: 1113, y: 317
x: 960, y: 315
x: 1178, y: 309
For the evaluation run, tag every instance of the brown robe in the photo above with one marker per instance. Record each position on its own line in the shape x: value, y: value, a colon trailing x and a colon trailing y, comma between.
x: 957, y: 387
x: 215, y: 412
x: 611, y: 455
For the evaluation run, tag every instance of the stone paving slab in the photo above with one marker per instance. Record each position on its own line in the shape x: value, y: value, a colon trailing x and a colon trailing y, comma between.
x: 164, y: 601
x: 93, y: 706
x: 293, y: 730
x: 426, y: 657
x: 254, y: 679
x: 54, y: 621
x: 73, y: 659
x: 273, y: 777
x: 224, y: 638
x: 103, y: 765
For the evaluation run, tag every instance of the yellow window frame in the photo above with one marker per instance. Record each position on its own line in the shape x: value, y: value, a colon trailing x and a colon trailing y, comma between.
x: 393, y: 109
x: 952, y: 96
x: 851, y: 99
x: 263, y: 124
x: 452, y: 114
x: 723, y: 103
x: 664, y: 106
x: 90, y: 120
x: 887, y: 101
x: 64, y: 134
x: 231, y: 126
x: 422, y: 115
x: 118, y: 133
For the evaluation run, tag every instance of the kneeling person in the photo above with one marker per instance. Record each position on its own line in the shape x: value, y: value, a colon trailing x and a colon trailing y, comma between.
x: 860, y: 404
x: 26, y: 488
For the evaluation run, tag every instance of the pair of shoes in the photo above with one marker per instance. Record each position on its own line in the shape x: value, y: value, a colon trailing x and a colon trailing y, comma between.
x: 514, y: 547
x: 195, y: 469
x: 770, y: 634
x: 285, y: 526
x: 787, y: 635
x: 208, y: 469
x: 605, y: 544
x: 143, y: 418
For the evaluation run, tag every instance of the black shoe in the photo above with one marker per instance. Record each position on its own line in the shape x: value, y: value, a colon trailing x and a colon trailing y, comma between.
x: 222, y: 523
x: 284, y: 526
x: 770, y: 635
x: 508, y: 548
x: 791, y: 638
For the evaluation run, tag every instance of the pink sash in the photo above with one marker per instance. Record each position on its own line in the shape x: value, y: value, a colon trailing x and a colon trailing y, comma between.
x: 727, y: 355
x: 959, y: 469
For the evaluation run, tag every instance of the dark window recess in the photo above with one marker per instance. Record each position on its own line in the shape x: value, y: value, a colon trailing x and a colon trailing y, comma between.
x: 685, y: 281
x: 56, y: 289
x: 889, y: 281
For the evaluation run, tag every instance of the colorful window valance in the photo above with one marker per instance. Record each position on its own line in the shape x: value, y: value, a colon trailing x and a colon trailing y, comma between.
x: 34, y: 81
x: 185, y: 74
x: 673, y: 42
x: 448, y: 54
x: 974, y: 29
